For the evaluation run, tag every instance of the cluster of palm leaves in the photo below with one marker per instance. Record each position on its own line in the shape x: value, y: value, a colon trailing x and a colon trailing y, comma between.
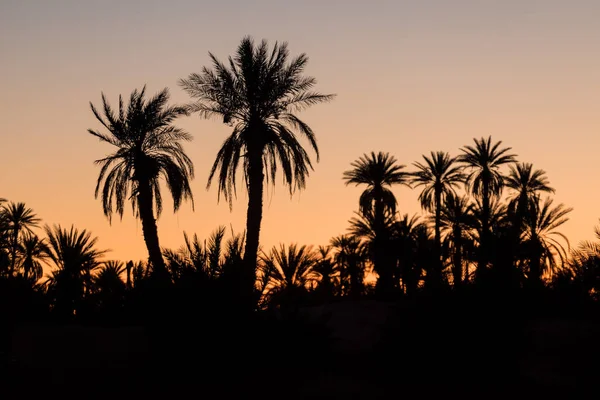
x: 480, y: 219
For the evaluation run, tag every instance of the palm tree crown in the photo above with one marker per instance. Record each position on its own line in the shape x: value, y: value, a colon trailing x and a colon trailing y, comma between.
x: 484, y: 160
x: 438, y: 175
x: 526, y: 183
x: 148, y: 148
x: 258, y: 94
x: 378, y: 172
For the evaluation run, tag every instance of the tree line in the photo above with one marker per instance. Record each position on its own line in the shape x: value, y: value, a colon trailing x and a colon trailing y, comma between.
x: 489, y: 220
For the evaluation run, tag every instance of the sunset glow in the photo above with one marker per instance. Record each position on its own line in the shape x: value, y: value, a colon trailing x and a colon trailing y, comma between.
x: 410, y: 78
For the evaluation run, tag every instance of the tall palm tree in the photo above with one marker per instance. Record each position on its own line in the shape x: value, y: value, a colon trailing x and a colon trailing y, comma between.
x: 542, y: 242
x: 439, y: 176
x: 378, y: 172
x: 19, y: 218
x: 148, y: 148
x: 483, y: 162
x: 289, y: 271
x: 257, y: 94
x: 75, y: 256
x: 32, y: 251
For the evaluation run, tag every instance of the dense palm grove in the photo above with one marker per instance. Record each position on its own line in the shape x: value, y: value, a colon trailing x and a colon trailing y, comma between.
x: 489, y: 226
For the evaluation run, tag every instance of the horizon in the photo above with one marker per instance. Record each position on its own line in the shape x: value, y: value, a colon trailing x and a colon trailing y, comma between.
x: 523, y: 72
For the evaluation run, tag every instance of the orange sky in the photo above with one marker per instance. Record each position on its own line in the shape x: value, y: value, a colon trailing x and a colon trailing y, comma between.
x: 410, y: 78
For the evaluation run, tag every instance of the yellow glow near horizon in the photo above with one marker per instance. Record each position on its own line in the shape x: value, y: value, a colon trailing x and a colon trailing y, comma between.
x: 410, y: 78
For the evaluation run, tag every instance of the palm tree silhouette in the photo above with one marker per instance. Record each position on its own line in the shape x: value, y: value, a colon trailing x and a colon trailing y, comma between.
x: 257, y: 94
x: 74, y: 254
x: 526, y: 183
x: 19, y: 218
x: 288, y: 272
x: 327, y: 269
x: 412, y: 250
x: 457, y: 222
x: 32, y: 250
x: 439, y: 176
x: 148, y: 149
x: 378, y: 172
x: 541, y: 241
x: 349, y: 256
x: 109, y: 286
x: 483, y: 161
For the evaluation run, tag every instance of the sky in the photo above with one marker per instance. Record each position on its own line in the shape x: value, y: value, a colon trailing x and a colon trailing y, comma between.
x: 410, y: 77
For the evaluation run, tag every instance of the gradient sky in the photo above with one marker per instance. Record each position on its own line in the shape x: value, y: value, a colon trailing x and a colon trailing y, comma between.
x: 411, y: 77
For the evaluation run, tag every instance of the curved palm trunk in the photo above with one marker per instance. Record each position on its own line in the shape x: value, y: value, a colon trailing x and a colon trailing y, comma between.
x: 253, y: 222
x: 150, y: 229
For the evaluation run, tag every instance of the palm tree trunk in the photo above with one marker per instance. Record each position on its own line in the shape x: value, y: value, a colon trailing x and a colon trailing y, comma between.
x: 150, y: 229
x: 438, y: 238
x: 253, y: 222
x: 385, y: 284
x: 485, y: 228
x: 457, y: 258
x: 13, y: 250
x: 128, y: 267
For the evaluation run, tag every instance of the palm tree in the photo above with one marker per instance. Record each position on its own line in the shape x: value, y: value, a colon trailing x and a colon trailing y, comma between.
x: 19, y: 218
x: 148, y: 148
x: 349, y: 257
x: 483, y: 161
x: 541, y: 241
x: 457, y: 222
x: 288, y: 272
x: 412, y: 250
x: 526, y: 183
x: 438, y: 176
x: 257, y: 94
x: 328, y: 271
x: 583, y: 269
x: 74, y: 254
x: 32, y: 250
x: 378, y: 172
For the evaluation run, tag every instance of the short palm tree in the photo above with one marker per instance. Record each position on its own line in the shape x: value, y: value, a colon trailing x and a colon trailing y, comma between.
x: 439, y: 176
x: 541, y: 240
x: 457, y: 222
x: 75, y: 256
x: 483, y: 162
x: 19, y: 219
x: 33, y: 250
x: 411, y: 242
x: 148, y: 148
x: 378, y: 172
x: 326, y: 268
x: 258, y: 93
x: 289, y: 271
x: 349, y: 256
